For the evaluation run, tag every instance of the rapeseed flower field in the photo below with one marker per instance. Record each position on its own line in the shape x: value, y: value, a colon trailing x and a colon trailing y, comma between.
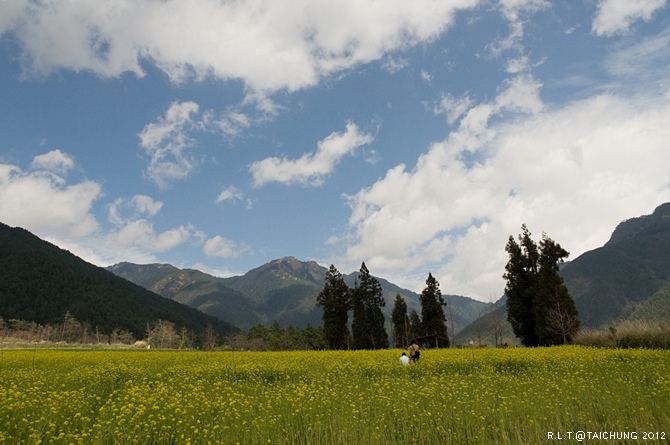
x: 492, y: 396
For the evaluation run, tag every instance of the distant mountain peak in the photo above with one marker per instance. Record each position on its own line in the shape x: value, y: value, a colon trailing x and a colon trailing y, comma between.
x: 290, y: 261
x: 642, y: 225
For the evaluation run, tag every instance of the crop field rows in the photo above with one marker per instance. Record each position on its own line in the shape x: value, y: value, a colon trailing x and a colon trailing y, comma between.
x: 494, y: 396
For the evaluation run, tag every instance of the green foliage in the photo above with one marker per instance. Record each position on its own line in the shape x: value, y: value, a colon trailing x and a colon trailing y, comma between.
x: 40, y: 283
x: 335, y: 300
x: 367, y: 327
x: 400, y: 323
x: 539, y: 307
x: 433, y: 320
x: 656, y: 308
x: 414, y: 324
x: 276, y: 338
x: 521, y: 274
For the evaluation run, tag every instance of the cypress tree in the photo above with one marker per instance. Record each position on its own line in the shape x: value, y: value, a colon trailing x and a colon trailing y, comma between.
x: 367, y: 328
x: 539, y: 306
x: 521, y: 276
x: 414, y: 324
x: 400, y: 323
x: 555, y: 313
x: 433, y: 320
x: 335, y: 299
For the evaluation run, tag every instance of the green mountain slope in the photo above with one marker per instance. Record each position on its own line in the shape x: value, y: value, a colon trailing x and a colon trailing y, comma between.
x: 656, y: 308
x: 282, y: 290
x: 143, y: 275
x: 40, y: 282
x: 628, y: 277
x: 608, y: 283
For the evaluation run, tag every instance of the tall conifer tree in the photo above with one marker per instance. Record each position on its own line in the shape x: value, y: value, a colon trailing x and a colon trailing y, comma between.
x: 539, y: 306
x: 367, y: 328
x: 400, y: 323
x: 335, y: 299
x: 433, y: 320
x: 556, y: 319
x: 521, y: 276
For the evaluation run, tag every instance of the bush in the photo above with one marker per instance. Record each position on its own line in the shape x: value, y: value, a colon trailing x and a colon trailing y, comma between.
x: 628, y: 334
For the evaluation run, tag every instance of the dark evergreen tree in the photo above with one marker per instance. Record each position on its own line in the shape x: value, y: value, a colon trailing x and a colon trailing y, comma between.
x: 400, y: 323
x: 521, y: 275
x: 367, y: 328
x: 555, y: 313
x: 335, y: 299
x: 433, y: 320
x: 414, y: 324
x: 539, y: 307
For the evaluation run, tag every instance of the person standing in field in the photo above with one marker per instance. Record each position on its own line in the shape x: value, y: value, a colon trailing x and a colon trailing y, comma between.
x: 404, y: 360
x: 414, y: 352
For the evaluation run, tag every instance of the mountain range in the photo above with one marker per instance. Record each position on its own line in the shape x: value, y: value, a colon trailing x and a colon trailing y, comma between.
x: 282, y: 290
x: 628, y: 277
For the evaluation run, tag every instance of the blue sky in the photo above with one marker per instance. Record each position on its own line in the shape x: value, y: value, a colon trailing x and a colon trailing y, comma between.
x: 415, y: 136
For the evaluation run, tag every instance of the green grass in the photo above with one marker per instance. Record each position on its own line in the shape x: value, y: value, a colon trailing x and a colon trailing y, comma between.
x: 492, y: 396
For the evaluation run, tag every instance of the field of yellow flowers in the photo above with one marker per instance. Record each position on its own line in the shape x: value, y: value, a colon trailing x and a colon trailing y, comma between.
x: 493, y: 396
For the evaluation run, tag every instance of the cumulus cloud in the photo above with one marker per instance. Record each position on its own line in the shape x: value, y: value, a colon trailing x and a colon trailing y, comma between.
x: 573, y: 173
x: 617, y: 16
x: 134, y: 228
x: 42, y: 201
x: 55, y: 161
x: 141, y: 233
x: 311, y: 168
x: 224, y: 247
x: 269, y: 45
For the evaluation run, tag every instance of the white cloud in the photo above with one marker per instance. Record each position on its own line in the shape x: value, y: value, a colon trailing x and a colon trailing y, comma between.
x: 233, y: 122
x: 231, y: 193
x: 513, y: 11
x: 269, y: 45
x: 223, y: 247
x: 139, y: 206
x: 642, y: 64
x: 141, y: 233
x: 311, y: 168
x: 55, y: 161
x: 395, y: 64
x: 167, y: 141
x: 134, y: 229
x: 573, y: 173
x: 617, y: 16
x: 453, y: 107
x: 42, y: 202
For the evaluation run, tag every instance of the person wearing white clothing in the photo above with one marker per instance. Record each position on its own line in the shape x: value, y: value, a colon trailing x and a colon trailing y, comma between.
x: 404, y: 360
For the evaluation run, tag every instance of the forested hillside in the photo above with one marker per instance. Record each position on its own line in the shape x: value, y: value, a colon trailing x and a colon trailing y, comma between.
x: 40, y: 282
x: 609, y: 283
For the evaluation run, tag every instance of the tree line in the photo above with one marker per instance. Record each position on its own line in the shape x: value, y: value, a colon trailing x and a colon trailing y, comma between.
x: 365, y: 302
x: 540, y: 311
x: 160, y: 334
